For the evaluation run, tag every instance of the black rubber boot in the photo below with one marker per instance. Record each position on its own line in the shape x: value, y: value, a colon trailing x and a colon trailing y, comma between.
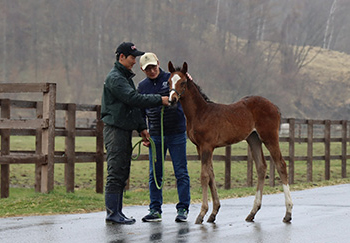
x: 114, y: 206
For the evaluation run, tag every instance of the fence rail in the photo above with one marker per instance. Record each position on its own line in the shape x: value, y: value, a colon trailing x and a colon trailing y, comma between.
x: 294, y: 131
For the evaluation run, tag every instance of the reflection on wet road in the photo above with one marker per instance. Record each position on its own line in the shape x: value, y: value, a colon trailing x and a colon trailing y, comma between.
x: 319, y: 215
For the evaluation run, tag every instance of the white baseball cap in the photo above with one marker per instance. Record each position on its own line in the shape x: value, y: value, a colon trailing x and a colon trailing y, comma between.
x: 148, y: 58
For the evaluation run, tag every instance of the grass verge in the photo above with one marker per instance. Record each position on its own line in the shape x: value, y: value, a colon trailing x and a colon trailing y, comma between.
x: 26, y: 202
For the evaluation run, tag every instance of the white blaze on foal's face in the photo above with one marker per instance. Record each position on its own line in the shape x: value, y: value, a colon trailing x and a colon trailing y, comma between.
x: 174, y: 80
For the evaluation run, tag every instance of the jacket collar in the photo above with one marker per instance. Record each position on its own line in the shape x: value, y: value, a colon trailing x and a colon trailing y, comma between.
x: 159, y: 77
x: 128, y: 73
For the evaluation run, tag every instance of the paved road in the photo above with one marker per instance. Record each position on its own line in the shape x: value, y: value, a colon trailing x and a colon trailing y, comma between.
x: 320, y: 215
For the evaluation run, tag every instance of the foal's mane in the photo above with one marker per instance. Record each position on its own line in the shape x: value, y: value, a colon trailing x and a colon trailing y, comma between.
x: 205, y: 97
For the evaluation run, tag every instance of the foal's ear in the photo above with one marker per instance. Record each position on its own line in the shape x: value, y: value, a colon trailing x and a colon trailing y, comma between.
x: 184, y: 68
x: 171, y: 67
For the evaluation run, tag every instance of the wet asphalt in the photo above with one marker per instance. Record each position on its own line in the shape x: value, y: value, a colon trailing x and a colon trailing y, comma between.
x: 320, y: 215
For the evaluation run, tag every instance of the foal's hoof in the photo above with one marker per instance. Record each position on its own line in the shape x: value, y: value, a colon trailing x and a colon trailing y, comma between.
x: 250, y: 218
x: 211, y: 219
x: 287, y: 218
x: 199, y: 220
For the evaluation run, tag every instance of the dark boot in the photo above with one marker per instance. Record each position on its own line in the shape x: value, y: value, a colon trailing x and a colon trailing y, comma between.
x: 114, y: 205
x: 121, y: 204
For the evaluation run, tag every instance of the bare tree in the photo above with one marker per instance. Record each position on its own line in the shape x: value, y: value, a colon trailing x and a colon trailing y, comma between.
x: 336, y: 30
x: 4, y: 43
x: 299, y: 35
x: 217, y: 13
x: 328, y: 34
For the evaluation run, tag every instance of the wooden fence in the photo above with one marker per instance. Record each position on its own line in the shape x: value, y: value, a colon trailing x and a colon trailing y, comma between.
x: 69, y: 156
x: 297, y: 131
x: 44, y: 124
x: 43, y: 127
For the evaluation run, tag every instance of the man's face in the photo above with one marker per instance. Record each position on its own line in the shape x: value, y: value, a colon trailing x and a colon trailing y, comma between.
x: 127, y: 62
x: 152, y: 71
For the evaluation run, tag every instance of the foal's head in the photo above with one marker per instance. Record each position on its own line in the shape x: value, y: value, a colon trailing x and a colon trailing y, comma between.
x: 177, y: 82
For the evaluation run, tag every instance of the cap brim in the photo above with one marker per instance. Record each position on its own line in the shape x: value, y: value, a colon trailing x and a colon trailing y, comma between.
x: 144, y: 66
x: 137, y: 53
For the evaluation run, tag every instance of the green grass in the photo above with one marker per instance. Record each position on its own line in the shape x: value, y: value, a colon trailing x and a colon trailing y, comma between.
x: 24, y: 201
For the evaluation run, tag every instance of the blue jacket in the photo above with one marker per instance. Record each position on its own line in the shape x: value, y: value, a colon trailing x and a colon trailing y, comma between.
x: 174, y: 119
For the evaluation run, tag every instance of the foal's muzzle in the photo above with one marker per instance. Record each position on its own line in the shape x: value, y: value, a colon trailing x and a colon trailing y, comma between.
x: 173, y: 99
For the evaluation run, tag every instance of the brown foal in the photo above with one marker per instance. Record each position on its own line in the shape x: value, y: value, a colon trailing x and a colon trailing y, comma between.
x: 210, y: 125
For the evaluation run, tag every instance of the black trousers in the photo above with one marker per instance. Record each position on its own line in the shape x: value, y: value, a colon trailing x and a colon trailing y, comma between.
x: 119, y: 148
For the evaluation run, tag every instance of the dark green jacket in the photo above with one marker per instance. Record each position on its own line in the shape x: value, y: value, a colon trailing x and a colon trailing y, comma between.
x: 121, y: 102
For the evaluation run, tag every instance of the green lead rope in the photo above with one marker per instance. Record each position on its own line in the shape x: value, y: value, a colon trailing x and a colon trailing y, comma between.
x: 153, y: 149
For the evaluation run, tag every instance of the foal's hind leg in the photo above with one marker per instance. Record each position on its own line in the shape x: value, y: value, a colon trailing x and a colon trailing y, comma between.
x: 260, y: 163
x: 282, y: 170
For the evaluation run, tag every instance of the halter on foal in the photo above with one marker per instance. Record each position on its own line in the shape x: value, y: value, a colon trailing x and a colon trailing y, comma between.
x: 210, y: 125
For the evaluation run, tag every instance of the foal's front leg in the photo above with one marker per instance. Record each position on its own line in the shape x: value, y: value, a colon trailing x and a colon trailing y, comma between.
x: 214, y: 194
x: 204, y: 183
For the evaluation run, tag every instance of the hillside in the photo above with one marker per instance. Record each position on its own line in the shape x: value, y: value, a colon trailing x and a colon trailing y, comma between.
x: 327, y: 92
x: 320, y: 90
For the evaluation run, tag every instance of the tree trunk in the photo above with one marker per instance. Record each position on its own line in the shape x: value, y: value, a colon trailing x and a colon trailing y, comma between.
x: 4, y: 67
x: 328, y: 34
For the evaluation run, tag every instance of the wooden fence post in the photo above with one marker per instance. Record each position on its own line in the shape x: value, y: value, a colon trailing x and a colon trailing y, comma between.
x: 69, y: 166
x: 228, y: 167
x: 5, y: 150
x: 38, y: 147
x: 291, y: 149
x: 99, y: 151
x: 272, y: 173
x: 343, y: 148
x: 48, y: 135
x: 327, y: 147
x: 310, y: 135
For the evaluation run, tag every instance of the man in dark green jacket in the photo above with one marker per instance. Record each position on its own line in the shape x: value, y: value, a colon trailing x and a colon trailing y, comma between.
x: 121, y: 115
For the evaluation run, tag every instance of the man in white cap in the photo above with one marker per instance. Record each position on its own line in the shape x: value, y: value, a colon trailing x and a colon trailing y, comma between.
x: 175, y: 139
